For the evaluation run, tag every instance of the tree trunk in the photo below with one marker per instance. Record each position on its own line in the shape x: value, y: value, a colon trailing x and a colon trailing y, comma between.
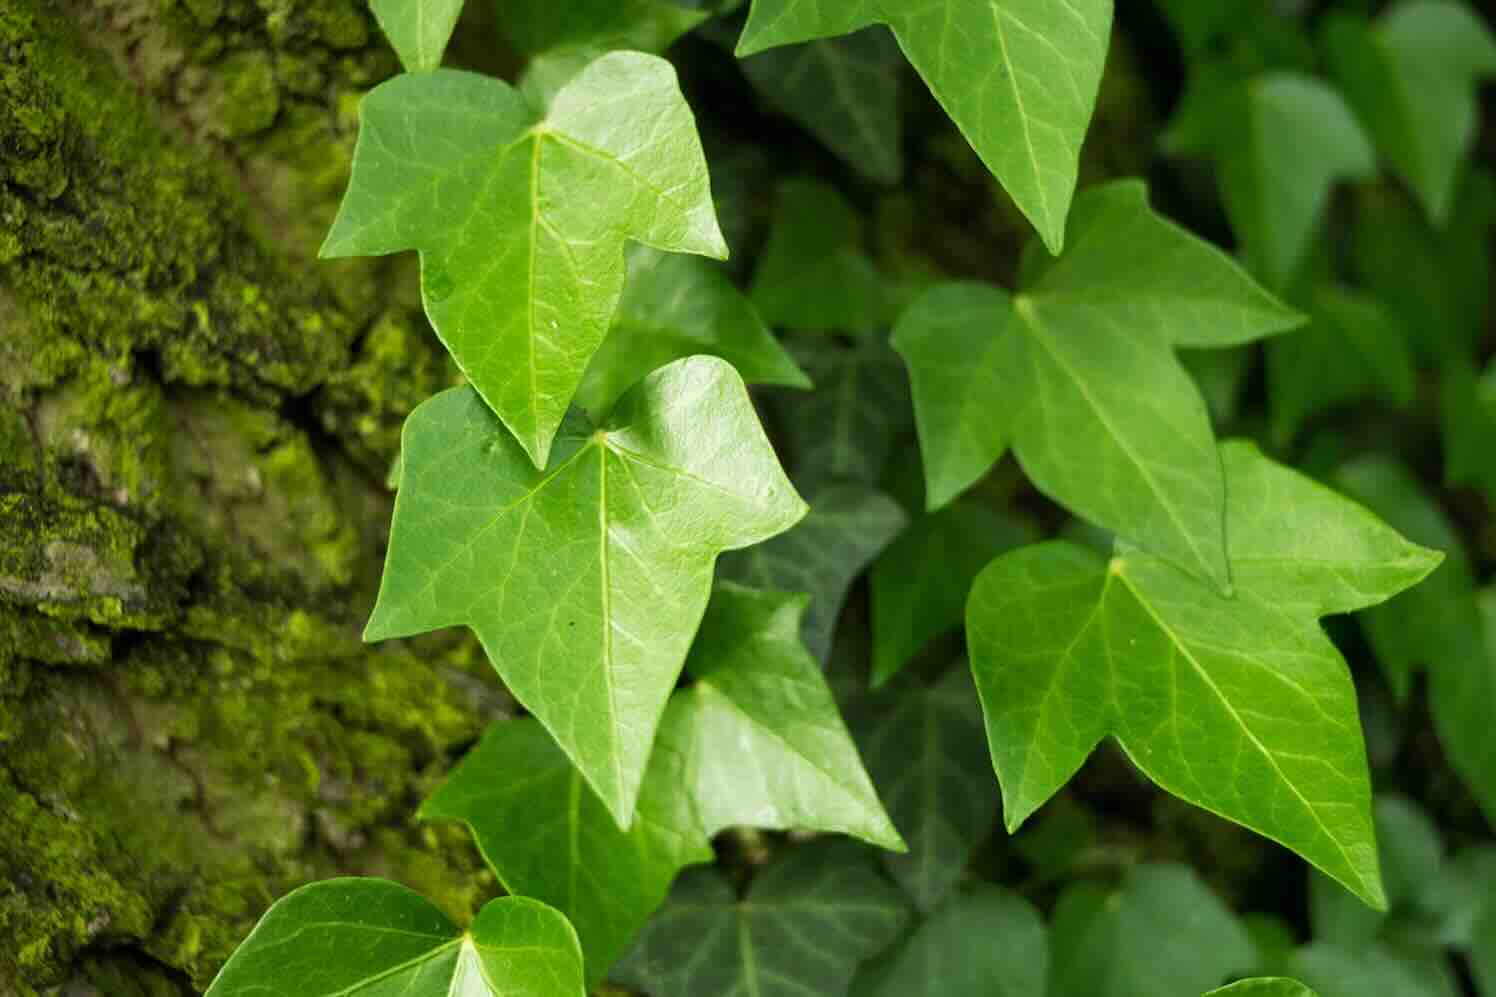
x: 196, y: 422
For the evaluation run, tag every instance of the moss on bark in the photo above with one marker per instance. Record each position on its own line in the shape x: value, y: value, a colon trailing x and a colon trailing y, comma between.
x: 195, y: 423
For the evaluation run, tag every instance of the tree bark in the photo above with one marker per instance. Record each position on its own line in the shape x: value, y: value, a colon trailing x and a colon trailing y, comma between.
x: 196, y: 422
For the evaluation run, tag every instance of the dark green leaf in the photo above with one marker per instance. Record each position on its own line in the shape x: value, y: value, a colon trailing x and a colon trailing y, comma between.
x: 1367, y: 971
x: 848, y: 525
x: 845, y: 92
x: 761, y: 741
x: 521, y: 223
x: 1164, y: 934
x: 548, y: 836
x: 1239, y: 704
x: 584, y: 582
x: 377, y: 938
x: 677, y: 306
x: 646, y: 25
x: 805, y: 924
x: 1019, y: 77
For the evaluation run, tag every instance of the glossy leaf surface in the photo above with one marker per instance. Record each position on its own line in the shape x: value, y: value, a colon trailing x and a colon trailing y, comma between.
x: 1019, y: 77
x: 520, y: 272
x: 759, y: 736
x: 586, y: 581
x: 546, y: 834
x: 377, y: 938
x: 1239, y: 704
x: 1078, y: 371
x: 805, y: 924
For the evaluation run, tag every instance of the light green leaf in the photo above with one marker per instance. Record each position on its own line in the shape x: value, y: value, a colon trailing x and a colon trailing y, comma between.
x: 1078, y: 371
x: 1240, y: 705
x: 1265, y: 986
x: 845, y: 92
x: 814, y: 274
x: 548, y: 836
x: 534, y: 26
x: 984, y: 943
x: 1367, y: 971
x: 762, y: 742
x: 920, y: 584
x: 1351, y: 350
x: 1437, y: 626
x: 1164, y: 934
x: 1019, y: 77
x: 804, y: 925
x: 1282, y: 140
x: 584, y: 582
x: 677, y: 306
x: 923, y: 746
x: 418, y: 29
x: 848, y: 525
x: 521, y: 223
x: 1413, y: 77
x: 380, y: 939
x: 955, y: 341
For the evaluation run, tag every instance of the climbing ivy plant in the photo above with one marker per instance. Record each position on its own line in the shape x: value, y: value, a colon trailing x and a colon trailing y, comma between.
x: 690, y: 722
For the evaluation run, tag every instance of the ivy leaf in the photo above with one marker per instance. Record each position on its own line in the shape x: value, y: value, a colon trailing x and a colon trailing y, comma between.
x: 418, y: 29
x: 1079, y: 371
x: 534, y: 26
x: 1019, y: 77
x: 846, y: 528
x: 366, y: 935
x: 676, y: 306
x: 808, y: 919
x: 1264, y: 986
x: 813, y: 274
x: 845, y: 92
x: 923, y: 746
x: 521, y: 223
x: 548, y: 836
x: 920, y: 583
x: 1282, y: 141
x: 1238, y: 705
x: 762, y: 741
x: 1412, y: 77
x: 584, y: 582
x: 984, y: 943
x: 1351, y: 350
x: 1438, y: 625
x: 1368, y: 971
x: 1110, y: 945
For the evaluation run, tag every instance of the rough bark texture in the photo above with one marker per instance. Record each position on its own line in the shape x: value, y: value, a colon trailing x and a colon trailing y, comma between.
x: 196, y: 419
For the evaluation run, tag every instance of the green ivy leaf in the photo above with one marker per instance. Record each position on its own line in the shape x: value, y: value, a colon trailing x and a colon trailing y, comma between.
x: 1080, y: 370
x: 1019, y: 77
x: 1111, y: 945
x: 814, y: 274
x: 1239, y: 705
x: 804, y: 925
x: 521, y: 223
x: 584, y: 582
x: 985, y: 943
x: 1264, y: 986
x: 548, y: 836
x: 1368, y: 971
x: 534, y: 26
x: 845, y: 92
x: 418, y: 29
x: 1282, y: 140
x: 923, y: 746
x: 762, y: 741
x: 1412, y: 77
x: 370, y: 936
x: 920, y: 583
x: 1351, y: 350
x: 676, y: 306
x: 1438, y: 625
x: 848, y: 525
